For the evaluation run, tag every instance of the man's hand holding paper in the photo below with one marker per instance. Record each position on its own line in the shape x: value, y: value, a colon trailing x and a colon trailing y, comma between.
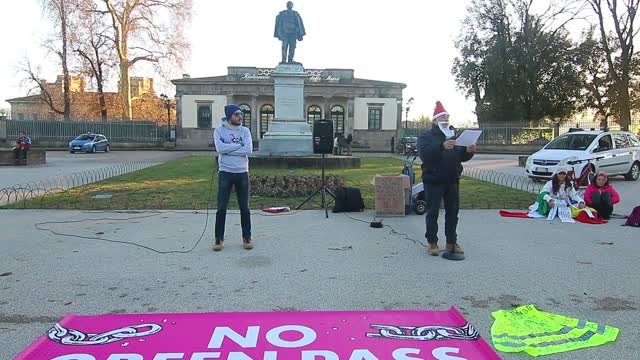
x: 468, y: 137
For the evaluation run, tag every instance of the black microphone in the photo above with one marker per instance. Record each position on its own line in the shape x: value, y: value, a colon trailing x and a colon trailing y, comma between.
x: 454, y: 132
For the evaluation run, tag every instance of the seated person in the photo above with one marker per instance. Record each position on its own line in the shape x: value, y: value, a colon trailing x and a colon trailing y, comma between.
x: 603, y: 145
x: 558, y: 191
x: 601, y: 196
x: 23, y: 144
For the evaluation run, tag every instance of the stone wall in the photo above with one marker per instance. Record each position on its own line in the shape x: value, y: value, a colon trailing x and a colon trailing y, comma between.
x: 374, y: 140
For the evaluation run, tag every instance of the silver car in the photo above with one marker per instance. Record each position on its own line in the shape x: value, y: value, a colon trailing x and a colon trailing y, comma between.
x: 614, y: 152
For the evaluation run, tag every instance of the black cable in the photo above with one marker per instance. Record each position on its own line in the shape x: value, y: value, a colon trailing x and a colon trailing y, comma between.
x: 392, y: 231
x: 153, y: 213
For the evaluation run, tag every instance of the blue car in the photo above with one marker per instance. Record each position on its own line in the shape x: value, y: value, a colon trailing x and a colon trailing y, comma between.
x: 89, y: 143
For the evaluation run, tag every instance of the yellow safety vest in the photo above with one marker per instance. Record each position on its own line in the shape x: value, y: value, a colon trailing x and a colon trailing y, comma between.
x: 526, y: 329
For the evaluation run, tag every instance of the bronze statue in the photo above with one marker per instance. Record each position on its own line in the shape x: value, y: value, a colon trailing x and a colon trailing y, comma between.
x: 289, y: 29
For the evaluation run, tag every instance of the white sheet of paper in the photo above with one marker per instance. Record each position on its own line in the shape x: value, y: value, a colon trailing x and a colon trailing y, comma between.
x: 468, y: 137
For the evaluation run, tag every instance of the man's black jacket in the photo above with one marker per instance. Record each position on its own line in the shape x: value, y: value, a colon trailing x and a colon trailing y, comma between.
x: 440, y: 166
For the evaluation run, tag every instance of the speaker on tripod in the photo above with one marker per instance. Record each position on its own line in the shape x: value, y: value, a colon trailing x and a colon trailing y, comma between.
x: 322, y: 144
x: 322, y: 137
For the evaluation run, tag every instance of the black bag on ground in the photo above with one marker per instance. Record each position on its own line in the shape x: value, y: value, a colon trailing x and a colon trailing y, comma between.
x: 634, y: 218
x: 348, y: 199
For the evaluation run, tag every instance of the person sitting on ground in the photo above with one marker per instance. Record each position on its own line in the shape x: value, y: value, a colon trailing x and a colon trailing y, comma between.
x: 601, y: 196
x: 558, y: 192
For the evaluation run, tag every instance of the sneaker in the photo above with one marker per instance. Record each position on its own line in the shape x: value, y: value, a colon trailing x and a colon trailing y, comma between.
x: 218, y: 245
x: 247, y: 243
x: 459, y: 249
x: 433, y: 249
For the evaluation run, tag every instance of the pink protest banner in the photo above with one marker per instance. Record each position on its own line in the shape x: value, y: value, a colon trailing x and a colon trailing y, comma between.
x: 352, y: 335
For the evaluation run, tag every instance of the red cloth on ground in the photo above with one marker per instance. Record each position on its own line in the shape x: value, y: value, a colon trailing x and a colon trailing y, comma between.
x: 585, y: 219
x: 275, y: 210
x: 514, y: 214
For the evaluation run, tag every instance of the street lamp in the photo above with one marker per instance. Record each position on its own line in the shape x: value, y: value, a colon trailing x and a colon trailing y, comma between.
x: 406, y: 112
x: 166, y: 102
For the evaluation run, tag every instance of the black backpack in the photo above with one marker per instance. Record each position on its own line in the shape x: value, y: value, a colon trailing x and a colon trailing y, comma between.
x: 634, y: 218
x: 348, y: 199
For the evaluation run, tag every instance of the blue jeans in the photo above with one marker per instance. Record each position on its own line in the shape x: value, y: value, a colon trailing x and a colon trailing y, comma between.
x: 241, y: 182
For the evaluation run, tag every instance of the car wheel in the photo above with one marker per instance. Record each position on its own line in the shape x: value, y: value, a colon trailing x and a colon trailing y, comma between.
x: 633, y: 173
x: 71, y: 151
x: 93, y: 149
x: 420, y: 207
x: 107, y: 149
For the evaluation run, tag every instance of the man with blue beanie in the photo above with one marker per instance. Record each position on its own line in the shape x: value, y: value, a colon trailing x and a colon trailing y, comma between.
x: 234, y: 145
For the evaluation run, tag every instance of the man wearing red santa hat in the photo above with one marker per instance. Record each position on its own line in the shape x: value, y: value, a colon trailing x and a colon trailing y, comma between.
x: 441, y: 168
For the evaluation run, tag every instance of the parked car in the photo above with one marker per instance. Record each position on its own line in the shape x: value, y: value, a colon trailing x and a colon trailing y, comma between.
x: 408, y: 145
x: 614, y: 152
x: 89, y: 143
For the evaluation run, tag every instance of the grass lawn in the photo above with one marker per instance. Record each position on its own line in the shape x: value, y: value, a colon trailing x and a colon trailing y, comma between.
x: 187, y: 184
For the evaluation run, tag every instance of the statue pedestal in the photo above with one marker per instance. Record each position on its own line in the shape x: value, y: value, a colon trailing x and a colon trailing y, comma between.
x: 289, y: 134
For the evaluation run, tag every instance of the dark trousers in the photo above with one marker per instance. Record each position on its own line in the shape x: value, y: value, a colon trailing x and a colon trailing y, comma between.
x: 602, y: 203
x: 451, y: 195
x: 241, y: 182
x: 20, y: 153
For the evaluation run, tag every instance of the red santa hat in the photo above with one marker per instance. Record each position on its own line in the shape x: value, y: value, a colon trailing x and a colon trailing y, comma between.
x: 439, y: 111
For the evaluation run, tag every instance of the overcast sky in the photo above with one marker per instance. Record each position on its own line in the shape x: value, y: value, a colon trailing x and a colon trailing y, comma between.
x: 401, y: 41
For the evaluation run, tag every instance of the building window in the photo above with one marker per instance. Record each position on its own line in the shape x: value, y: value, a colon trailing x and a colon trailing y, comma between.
x: 20, y: 116
x: 375, y: 118
x: 266, y: 116
x: 204, y: 116
x: 337, y: 116
x: 246, y: 115
x: 313, y: 113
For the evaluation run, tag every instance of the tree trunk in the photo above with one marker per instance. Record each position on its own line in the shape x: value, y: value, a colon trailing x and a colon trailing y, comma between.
x: 625, y: 111
x: 65, y: 67
x: 125, y: 89
x: 103, y: 103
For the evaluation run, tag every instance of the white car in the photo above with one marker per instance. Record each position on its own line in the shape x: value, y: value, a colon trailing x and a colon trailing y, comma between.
x: 614, y: 152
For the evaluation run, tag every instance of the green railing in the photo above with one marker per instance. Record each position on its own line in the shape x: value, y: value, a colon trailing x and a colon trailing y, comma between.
x: 117, y: 131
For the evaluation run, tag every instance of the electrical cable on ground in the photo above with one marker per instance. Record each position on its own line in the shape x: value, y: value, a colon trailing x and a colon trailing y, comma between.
x: 39, y: 226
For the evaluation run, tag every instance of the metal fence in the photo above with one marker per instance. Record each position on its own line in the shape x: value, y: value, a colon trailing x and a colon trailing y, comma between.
x: 521, y: 133
x: 503, y: 134
x: 118, y: 131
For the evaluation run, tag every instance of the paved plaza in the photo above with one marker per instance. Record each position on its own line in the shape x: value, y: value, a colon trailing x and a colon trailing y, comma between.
x: 303, y: 261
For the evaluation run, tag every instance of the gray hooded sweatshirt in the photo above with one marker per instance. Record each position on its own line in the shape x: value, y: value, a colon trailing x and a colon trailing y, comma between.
x: 234, y: 145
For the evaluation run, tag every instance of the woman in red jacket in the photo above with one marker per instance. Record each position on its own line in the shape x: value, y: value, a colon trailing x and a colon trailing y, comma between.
x: 601, y: 196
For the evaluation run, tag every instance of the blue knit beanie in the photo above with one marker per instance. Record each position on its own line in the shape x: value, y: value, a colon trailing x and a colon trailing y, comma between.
x: 230, y: 109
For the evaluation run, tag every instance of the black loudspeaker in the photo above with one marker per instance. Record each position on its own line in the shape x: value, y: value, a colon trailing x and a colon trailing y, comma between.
x: 322, y: 137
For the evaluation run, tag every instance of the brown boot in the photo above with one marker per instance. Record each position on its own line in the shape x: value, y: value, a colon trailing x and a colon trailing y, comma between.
x: 218, y: 245
x: 247, y: 244
x: 459, y: 249
x: 433, y: 249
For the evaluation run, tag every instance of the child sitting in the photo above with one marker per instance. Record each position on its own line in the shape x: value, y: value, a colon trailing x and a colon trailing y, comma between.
x: 601, y: 196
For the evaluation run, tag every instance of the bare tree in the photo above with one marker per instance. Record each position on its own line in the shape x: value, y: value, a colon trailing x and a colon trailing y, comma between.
x: 141, y: 34
x: 60, y: 12
x: 95, y: 49
x: 37, y: 84
x: 619, y: 62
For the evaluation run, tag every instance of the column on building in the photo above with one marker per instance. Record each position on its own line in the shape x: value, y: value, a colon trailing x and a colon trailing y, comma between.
x: 178, y: 115
x: 349, y: 123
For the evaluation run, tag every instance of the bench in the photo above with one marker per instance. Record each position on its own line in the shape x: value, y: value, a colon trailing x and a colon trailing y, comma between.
x: 34, y: 157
